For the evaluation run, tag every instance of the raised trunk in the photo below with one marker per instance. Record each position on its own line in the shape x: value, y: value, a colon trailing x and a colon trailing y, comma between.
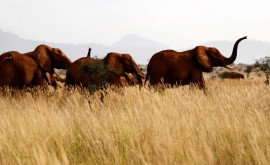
x: 231, y: 59
x: 89, y: 52
x: 139, y: 75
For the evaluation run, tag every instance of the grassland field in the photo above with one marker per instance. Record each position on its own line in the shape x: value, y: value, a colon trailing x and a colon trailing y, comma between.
x: 229, y: 125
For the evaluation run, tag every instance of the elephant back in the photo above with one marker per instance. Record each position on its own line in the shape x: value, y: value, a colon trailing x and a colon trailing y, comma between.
x: 75, y: 75
x: 16, y: 70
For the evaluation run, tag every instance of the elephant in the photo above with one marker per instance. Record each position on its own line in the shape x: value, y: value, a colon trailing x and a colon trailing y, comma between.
x: 123, y: 63
x: 49, y: 58
x: 231, y: 75
x: 129, y: 79
x: 18, y: 70
x: 32, y: 68
x: 183, y: 68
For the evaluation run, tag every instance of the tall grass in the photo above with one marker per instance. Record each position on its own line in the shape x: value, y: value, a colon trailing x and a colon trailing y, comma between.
x: 229, y: 125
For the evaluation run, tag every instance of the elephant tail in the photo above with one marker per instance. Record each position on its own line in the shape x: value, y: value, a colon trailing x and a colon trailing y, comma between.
x: 68, y: 79
x: 146, y: 77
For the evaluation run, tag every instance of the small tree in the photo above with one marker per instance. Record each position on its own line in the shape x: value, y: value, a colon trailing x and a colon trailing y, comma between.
x: 240, y: 68
x: 263, y: 65
x: 248, y: 70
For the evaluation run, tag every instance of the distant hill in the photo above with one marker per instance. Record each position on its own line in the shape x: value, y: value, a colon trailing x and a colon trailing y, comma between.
x: 140, y: 48
x: 9, y: 42
x: 133, y: 40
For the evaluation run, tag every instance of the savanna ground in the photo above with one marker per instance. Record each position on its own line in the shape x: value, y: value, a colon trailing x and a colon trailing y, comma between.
x: 229, y: 125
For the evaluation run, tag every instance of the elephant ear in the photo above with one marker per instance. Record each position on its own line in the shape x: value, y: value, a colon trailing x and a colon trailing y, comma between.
x: 42, y: 57
x: 203, y: 58
x: 114, y: 61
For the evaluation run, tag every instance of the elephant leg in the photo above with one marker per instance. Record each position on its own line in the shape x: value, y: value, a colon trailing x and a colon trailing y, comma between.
x: 202, y: 85
x: 157, y: 79
x: 39, y: 79
x: 197, y: 80
x: 201, y: 82
x: 69, y: 82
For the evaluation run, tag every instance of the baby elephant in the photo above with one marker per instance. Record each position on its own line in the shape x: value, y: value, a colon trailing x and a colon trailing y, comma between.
x: 232, y: 75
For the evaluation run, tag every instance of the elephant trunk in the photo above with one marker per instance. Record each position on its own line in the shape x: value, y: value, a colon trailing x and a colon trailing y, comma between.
x: 139, y: 76
x: 231, y: 59
x: 66, y: 63
x: 58, y: 78
x: 89, y: 52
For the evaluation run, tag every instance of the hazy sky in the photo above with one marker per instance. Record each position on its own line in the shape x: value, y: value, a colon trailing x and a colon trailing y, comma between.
x: 176, y: 23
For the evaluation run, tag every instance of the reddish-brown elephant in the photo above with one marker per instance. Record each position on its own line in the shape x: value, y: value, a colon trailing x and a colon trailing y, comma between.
x: 49, y: 58
x: 17, y: 70
x: 129, y: 79
x: 231, y: 75
x: 124, y: 63
x: 29, y: 69
x: 181, y: 68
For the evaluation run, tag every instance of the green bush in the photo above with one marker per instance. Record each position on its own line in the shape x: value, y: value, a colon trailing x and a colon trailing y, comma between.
x: 98, y: 75
x: 240, y: 69
x: 263, y: 65
x: 248, y: 70
x: 223, y: 75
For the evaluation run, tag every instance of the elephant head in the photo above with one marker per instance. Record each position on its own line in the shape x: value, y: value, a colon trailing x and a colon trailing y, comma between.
x: 125, y: 63
x: 209, y: 57
x: 49, y: 58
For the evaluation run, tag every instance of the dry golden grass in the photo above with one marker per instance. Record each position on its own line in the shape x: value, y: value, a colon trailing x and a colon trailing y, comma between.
x: 230, y: 125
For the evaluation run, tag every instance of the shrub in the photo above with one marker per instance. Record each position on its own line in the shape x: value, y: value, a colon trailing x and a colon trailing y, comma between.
x: 248, y: 70
x: 263, y: 65
x: 98, y: 75
x: 223, y: 75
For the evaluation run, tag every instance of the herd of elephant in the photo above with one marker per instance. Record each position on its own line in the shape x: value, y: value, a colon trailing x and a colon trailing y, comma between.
x: 165, y: 67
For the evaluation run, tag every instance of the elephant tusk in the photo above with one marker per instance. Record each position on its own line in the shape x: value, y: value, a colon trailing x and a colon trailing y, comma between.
x: 228, y: 67
x: 142, y: 75
x: 235, y: 67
